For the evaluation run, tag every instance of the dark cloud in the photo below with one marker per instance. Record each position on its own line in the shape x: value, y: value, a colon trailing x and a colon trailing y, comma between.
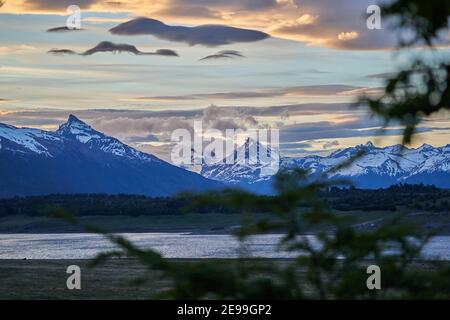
x: 358, y: 125
x: 295, y: 145
x: 224, y: 54
x: 164, y: 52
x: 385, y: 75
x: 57, y: 5
x: 2, y: 3
x: 106, y: 46
x: 230, y: 4
x: 140, y: 139
x: 61, y: 52
x: 63, y: 29
x: 208, y: 35
x: 207, y: 9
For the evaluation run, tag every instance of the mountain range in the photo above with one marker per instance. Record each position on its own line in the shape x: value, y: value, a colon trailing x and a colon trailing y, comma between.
x: 78, y: 159
x: 376, y: 168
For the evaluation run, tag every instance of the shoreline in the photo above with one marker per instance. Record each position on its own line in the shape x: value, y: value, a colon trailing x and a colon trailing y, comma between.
x: 206, y: 224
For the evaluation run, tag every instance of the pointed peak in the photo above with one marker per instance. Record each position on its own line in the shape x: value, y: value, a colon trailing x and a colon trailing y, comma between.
x: 73, y: 119
x: 369, y: 144
x: 78, y: 129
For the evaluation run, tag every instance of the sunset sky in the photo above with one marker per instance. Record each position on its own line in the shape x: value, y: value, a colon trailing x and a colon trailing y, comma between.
x: 294, y: 64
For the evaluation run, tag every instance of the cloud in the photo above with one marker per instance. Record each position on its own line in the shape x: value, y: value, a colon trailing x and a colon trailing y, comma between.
x: 298, y: 91
x: 330, y: 144
x: 385, y: 75
x: 332, y: 125
x: 16, y: 49
x: 230, y: 4
x: 56, y: 5
x: 358, y: 125
x: 341, y: 26
x: 208, y: 35
x: 228, y: 118
x: 345, y: 36
x: 224, y: 54
x: 63, y: 29
x: 321, y: 23
x: 61, y: 52
x: 106, y: 46
x: 141, y: 139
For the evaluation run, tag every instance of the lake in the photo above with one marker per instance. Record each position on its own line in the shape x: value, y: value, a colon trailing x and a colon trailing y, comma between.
x: 170, y: 245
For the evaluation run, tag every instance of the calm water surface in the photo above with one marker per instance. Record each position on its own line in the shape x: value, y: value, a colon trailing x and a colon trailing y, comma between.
x: 171, y: 245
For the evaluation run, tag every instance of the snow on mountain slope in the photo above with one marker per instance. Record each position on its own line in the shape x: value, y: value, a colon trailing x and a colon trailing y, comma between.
x: 78, y: 159
x: 34, y: 140
x: 26, y: 138
x: 74, y: 128
x: 244, y: 165
x: 378, y: 167
x: 82, y: 132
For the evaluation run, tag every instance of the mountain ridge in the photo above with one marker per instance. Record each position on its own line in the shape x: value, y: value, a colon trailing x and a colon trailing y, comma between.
x: 78, y: 159
x: 378, y: 167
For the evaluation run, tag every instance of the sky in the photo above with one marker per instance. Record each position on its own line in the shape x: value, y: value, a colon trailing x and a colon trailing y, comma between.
x: 297, y: 65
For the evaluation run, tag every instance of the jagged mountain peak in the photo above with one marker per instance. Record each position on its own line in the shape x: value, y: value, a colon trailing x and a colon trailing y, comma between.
x: 75, y: 129
x: 81, y: 131
x: 78, y: 159
x: 369, y: 145
x: 377, y: 167
x: 74, y: 120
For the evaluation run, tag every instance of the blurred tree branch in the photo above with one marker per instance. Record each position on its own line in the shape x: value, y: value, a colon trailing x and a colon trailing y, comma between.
x: 423, y: 88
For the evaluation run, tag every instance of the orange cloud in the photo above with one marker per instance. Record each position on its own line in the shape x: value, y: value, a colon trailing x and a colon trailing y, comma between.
x: 345, y: 36
x: 329, y: 23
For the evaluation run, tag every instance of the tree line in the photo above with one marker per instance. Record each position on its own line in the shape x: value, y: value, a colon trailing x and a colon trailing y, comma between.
x: 419, y: 197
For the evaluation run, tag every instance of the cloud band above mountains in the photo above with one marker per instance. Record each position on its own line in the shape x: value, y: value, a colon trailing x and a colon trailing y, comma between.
x: 140, y: 127
x: 314, y: 90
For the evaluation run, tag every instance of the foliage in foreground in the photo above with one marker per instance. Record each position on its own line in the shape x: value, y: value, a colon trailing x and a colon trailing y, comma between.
x: 330, y: 265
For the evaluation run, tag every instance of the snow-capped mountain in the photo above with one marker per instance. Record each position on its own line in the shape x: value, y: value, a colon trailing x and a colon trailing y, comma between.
x: 244, y: 165
x: 376, y: 168
x: 74, y: 129
x: 78, y: 159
